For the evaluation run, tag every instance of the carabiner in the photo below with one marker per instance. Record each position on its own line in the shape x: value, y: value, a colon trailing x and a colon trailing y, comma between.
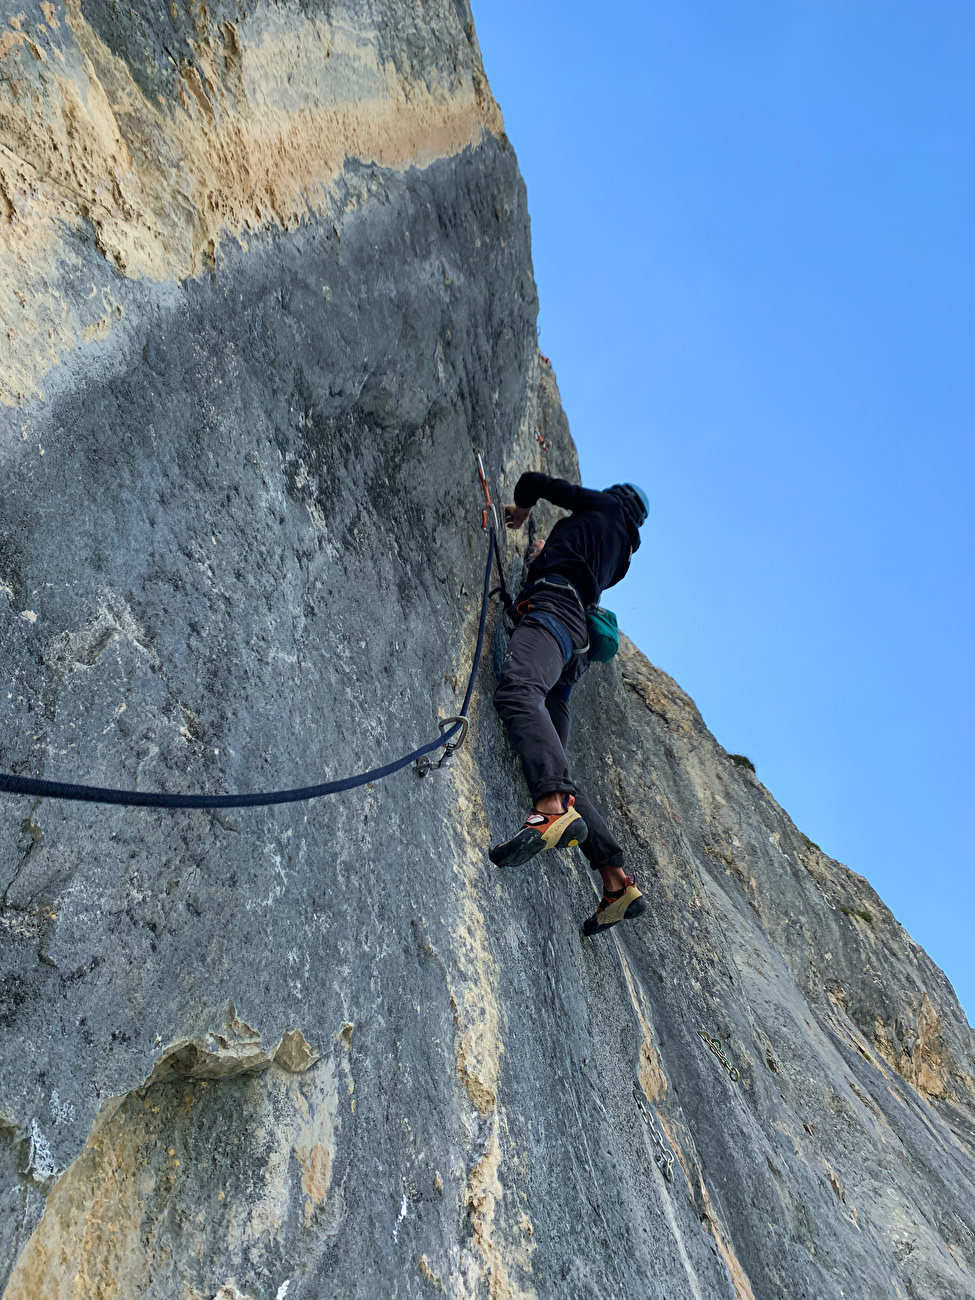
x: 425, y: 764
x: 489, y: 505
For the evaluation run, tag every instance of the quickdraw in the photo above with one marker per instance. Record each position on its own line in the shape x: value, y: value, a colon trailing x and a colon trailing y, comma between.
x: 425, y: 764
x: 664, y: 1159
x: 489, y: 508
x: 489, y: 519
x: 717, y: 1048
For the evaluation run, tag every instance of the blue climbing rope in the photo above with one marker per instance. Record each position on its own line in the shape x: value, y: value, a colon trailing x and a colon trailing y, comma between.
x: 37, y: 788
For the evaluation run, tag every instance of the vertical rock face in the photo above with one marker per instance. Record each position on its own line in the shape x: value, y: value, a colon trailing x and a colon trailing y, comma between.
x: 265, y: 282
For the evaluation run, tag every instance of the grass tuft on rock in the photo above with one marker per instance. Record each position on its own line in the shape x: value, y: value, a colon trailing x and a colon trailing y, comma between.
x: 861, y: 912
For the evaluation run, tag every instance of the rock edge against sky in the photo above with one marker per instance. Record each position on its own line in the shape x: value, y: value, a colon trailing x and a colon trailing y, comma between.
x: 265, y: 282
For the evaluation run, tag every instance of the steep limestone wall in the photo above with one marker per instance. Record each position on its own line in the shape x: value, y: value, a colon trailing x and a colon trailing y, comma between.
x: 265, y: 282
x: 155, y: 135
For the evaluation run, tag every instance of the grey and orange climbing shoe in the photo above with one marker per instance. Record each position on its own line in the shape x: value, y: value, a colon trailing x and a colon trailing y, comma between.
x: 541, y: 831
x: 616, y: 905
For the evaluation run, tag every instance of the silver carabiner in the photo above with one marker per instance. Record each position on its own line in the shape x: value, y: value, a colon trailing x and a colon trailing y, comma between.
x: 425, y: 764
x: 444, y: 723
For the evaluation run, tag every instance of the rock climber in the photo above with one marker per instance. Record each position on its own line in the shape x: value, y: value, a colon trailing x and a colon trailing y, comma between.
x: 585, y: 553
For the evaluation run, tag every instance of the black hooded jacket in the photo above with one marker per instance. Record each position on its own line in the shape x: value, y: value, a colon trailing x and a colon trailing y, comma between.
x: 592, y: 548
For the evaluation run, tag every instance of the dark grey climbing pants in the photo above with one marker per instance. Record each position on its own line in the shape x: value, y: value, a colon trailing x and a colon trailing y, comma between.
x: 532, y: 699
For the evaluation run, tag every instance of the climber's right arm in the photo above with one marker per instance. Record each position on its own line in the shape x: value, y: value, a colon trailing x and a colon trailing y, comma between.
x: 533, y: 486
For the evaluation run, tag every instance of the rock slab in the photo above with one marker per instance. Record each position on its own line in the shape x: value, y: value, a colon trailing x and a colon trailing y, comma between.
x: 265, y: 285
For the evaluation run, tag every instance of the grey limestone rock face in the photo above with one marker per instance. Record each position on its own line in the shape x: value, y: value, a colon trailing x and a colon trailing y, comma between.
x: 265, y: 285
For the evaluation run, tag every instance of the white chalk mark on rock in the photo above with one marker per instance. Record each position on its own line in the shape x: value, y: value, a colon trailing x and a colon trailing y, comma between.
x: 403, y: 1210
x: 40, y: 1158
x: 62, y: 1112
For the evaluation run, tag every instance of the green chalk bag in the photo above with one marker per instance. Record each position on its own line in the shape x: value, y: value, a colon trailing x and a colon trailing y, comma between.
x: 604, y: 635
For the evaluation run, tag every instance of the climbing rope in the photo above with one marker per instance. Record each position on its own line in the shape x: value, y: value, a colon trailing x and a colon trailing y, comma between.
x: 490, y: 509
x: 38, y: 788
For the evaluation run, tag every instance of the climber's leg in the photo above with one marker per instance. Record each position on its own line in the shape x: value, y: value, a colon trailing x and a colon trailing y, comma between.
x: 531, y: 668
x: 602, y: 849
x: 623, y: 904
x: 621, y: 900
x: 563, y: 829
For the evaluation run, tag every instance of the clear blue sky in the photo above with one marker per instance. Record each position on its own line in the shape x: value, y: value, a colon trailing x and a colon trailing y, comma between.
x: 754, y: 240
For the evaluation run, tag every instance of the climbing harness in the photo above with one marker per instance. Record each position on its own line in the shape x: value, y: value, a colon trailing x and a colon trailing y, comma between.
x: 664, y: 1159
x: 522, y: 612
x: 717, y: 1048
x: 453, y: 732
x: 601, y: 626
x: 562, y: 585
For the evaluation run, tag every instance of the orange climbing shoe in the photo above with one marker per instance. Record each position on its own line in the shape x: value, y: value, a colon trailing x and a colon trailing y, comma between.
x: 541, y: 831
x: 616, y: 905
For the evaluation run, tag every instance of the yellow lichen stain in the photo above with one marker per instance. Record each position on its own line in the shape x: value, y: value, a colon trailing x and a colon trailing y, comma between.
x: 930, y: 1073
x: 484, y: 1191
x: 87, y: 1242
x: 923, y: 1065
x: 96, y: 1237
x: 478, y: 1049
x: 8, y: 40
x: 470, y: 1068
x: 710, y: 1219
x: 97, y: 331
x: 263, y: 123
x: 427, y: 1273
x: 650, y: 1072
x: 32, y: 260
x: 476, y: 1014
x: 660, y: 693
x: 316, y: 1176
x: 314, y: 1141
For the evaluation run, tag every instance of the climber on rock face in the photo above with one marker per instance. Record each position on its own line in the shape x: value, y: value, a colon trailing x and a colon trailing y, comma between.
x: 547, y: 655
